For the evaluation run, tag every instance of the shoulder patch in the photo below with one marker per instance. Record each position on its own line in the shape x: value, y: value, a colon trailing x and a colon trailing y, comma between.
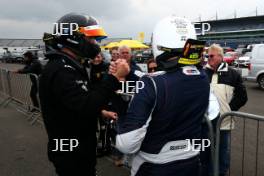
x: 190, y: 70
x: 139, y: 73
x: 157, y: 73
x: 68, y: 66
x: 84, y: 88
x: 223, y: 67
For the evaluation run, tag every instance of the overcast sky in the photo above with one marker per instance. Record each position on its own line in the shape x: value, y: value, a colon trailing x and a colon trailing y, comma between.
x: 120, y: 18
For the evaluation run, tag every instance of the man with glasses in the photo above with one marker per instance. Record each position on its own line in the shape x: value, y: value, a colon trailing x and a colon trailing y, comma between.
x: 228, y: 87
x: 70, y: 104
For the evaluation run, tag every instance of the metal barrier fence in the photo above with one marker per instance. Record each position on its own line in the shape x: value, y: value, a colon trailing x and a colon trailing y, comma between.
x: 17, y: 88
x: 244, y: 149
x: 4, y: 85
x: 246, y: 145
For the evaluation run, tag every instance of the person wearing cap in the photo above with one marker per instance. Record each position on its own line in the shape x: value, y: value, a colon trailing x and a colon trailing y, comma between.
x: 98, y: 70
x: 69, y: 101
x: 32, y: 66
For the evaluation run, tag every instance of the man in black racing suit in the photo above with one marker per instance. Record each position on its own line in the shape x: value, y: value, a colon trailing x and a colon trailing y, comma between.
x: 68, y: 101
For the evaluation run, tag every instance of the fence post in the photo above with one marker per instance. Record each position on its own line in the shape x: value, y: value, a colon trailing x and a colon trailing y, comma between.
x: 6, y: 88
x: 218, y: 125
x: 211, y: 137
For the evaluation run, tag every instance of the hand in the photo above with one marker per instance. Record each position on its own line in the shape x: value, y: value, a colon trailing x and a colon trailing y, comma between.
x: 109, y: 114
x: 119, y: 69
x: 112, y: 68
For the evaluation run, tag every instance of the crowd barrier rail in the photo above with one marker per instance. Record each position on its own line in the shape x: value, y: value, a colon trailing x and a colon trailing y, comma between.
x: 17, y: 88
x: 246, y: 147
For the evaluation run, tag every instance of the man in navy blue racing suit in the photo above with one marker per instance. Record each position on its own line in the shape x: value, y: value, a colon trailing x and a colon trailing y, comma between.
x: 167, y: 113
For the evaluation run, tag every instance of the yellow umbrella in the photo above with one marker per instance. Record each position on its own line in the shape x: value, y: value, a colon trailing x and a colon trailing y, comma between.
x: 133, y: 44
x: 112, y: 45
x: 102, y: 47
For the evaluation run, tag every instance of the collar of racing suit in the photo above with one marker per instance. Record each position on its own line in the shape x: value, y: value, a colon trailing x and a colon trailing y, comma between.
x: 68, y: 60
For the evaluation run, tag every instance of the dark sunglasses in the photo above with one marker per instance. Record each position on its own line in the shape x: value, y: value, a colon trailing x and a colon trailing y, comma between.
x: 125, y: 53
x: 211, y: 55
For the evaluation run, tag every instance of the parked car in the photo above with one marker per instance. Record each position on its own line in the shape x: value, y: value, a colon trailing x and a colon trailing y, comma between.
x: 256, y: 66
x: 2, y: 51
x: 241, y: 51
x: 244, y: 60
x: 41, y: 57
x: 14, y: 56
x: 142, y: 56
x: 228, y: 49
x: 230, y: 57
x: 39, y: 53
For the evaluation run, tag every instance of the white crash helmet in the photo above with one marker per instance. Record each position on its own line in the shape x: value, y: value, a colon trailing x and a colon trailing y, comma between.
x: 171, y: 32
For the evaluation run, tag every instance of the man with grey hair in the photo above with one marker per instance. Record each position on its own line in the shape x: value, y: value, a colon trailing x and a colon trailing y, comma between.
x: 126, y: 53
x: 227, y: 85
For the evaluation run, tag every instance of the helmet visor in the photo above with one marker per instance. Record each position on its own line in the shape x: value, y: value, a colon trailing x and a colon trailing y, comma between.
x: 94, y: 31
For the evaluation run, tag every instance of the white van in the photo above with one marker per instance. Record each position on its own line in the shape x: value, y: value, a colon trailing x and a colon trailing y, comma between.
x: 256, y: 67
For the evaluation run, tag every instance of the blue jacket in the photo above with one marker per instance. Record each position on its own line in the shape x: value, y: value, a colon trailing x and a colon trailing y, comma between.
x: 158, y: 122
x: 119, y: 103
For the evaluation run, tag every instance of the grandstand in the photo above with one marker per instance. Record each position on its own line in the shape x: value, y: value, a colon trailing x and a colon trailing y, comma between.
x: 6, y: 43
x: 21, y: 43
x: 234, y: 32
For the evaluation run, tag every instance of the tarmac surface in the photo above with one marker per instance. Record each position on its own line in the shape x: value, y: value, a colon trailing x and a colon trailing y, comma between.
x: 23, y: 146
